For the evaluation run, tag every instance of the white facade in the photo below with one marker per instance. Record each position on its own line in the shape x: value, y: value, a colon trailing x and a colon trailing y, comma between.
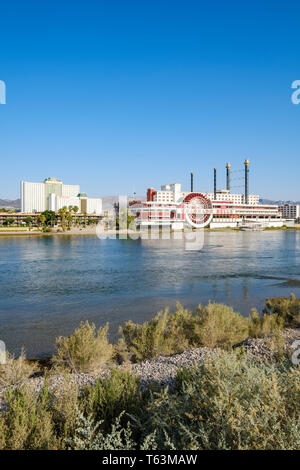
x: 52, y: 194
x: 94, y: 206
x: 227, y: 196
x: 173, y: 193
x: 158, y: 214
x: 57, y: 202
x: 33, y: 197
x: 290, y: 211
x: 70, y: 190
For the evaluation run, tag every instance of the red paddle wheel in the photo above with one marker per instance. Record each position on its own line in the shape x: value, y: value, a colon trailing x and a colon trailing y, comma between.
x: 198, y: 210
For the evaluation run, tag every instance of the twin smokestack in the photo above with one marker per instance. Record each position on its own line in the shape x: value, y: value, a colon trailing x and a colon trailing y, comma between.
x: 228, y: 168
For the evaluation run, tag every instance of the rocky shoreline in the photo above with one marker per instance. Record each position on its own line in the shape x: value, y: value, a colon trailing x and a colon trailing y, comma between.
x: 162, y: 370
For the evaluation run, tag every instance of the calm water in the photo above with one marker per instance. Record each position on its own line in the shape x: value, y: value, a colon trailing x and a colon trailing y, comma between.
x: 49, y: 284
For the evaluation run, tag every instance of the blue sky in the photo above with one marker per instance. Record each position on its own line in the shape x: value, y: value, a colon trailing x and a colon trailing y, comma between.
x: 118, y: 96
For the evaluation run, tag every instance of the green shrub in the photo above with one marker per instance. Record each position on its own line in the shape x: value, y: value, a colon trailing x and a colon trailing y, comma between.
x: 265, y: 324
x: 110, y: 396
x: 27, y: 421
x: 163, y: 335
x: 88, y: 435
x: 220, y: 326
x: 15, y: 371
x: 286, y: 307
x: 64, y: 403
x: 214, y: 325
x: 229, y: 403
x: 85, y: 349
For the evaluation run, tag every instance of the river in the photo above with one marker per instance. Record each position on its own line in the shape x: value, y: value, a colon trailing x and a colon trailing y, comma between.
x: 49, y: 284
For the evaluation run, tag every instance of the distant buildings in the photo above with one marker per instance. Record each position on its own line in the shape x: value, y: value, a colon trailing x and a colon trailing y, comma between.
x: 173, y: 193
x: 290, y: 211
x: 170, y: 206
x: 52, y: 194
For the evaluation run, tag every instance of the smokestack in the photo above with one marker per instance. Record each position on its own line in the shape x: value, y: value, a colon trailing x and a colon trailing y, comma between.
x: 215, y: 183
x: 228, y: 166
x: 192, y: 182
x: 246, y: 163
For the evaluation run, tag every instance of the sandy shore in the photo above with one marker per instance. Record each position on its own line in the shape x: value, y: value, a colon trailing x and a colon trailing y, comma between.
x: 91, y: 231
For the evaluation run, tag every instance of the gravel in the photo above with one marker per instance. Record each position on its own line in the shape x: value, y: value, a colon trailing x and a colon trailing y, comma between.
x: 262, y: 348
x: 162, y: 370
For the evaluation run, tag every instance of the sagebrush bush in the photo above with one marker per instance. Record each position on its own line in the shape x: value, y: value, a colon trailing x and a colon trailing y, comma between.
x: 63, y: 405
x: 106, y: 400
x: 265, y: 324
x: 288, y: 308
x: 85, y: 349
x: 165, y: 334
x: 232, y: 401
x: 214, y: 325
x: 27, y: 422
x: 220, y: 326
x: 15, y: 371
x: 229, y: 403
x: 88, y: 435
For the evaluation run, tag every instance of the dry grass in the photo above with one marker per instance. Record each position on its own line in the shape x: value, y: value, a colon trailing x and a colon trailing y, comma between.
x: 84, y: 350
x: 15, y: 371
x: 220, y: 326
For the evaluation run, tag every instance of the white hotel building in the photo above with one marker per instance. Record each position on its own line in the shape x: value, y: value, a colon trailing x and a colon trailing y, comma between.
x: 52, y: 194
x: 170, y: 206
x: 173, y: 193
x: 290, y: 211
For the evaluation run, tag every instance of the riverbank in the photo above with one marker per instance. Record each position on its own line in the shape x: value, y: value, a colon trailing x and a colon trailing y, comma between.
x: 162, y: 370
x: 175, y: 368
x: 91, y: 231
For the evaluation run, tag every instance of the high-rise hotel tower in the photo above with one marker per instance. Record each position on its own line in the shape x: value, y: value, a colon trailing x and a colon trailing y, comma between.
x: 52, y: 194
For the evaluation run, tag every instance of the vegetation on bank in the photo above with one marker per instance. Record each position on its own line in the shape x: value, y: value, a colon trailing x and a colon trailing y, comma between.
x: 231, y: 401
x: 65, y: 218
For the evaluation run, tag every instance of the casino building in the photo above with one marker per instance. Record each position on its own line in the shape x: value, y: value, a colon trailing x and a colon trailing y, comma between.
x: 176, y: 209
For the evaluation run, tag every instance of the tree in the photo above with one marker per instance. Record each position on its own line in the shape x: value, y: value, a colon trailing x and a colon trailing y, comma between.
x: 28, y: 221
x: 69, y: 219
x: 63, y: 214
x: 50, y: 217
x: 41, y: 219
x: 84, y: 219
x: 10, y: 221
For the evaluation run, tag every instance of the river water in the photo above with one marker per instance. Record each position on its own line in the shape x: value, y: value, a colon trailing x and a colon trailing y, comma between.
x: 49, y: 284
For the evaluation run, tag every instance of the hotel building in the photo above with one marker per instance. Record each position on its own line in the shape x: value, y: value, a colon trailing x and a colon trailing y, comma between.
x: 290, y: 211
x: 170, y: 206
x: 52, y: 194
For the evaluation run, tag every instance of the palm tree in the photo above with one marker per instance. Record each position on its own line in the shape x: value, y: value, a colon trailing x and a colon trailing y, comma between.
x: 69, y: 219
x: 41, y: 219
x: 63, y: 214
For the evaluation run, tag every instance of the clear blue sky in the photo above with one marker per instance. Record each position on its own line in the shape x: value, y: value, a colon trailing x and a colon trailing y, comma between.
x: 121, y: 95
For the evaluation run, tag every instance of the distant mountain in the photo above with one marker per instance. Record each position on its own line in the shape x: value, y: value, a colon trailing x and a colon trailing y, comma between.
x: 10, y: 204
x: 277, y: 203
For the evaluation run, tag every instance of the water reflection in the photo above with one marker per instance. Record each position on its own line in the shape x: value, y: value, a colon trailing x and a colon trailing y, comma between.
x: 49, y: 284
